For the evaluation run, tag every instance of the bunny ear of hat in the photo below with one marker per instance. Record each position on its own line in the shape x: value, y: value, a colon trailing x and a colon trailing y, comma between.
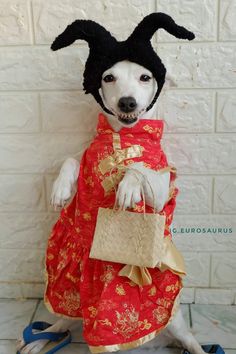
x: 151, y: 23
x: 88, y: 30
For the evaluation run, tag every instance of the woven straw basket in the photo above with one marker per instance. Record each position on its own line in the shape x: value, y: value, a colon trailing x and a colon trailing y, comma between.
x: 128, y: 237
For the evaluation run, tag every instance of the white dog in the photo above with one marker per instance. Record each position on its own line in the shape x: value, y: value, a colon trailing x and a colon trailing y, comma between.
x: 124, y: 79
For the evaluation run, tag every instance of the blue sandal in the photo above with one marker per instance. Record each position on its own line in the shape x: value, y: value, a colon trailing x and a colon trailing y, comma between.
x: 209, y: 348
x: 57, y: 340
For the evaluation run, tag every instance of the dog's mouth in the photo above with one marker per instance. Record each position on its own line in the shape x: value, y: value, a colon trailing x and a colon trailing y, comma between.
x: 127, y: 118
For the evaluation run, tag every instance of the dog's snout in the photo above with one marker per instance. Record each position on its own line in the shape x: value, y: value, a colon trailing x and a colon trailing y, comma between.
x: 127, y: 104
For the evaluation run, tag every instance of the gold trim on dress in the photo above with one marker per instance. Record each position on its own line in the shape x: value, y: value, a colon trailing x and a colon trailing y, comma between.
x: 116, y: 141
x: 119, y: 156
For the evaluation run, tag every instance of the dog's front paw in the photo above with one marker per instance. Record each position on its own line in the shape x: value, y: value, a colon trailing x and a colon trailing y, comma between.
x: 129, y: 191
x: 61, y: 191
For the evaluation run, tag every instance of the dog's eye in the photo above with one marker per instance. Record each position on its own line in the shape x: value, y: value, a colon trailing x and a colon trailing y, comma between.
x: 109, y: 78
x: 145, y: 77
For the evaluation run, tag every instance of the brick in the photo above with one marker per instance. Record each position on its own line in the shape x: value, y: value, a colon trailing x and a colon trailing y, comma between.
x: 14, y: 22
x: 69, y: 112
x: 38, y: 68
x: 24, y: 230
x: 186, y: 111
x: 21, y: 193
x: 194, y: 195
x: 51, y: 18
x: 197, y: 268
x: 226, y: 104
x: 21, y: 290
x: 199, y: 17
x: 21, y: 265
x: 206, y: 153
x: 204, y: 233
x: 39, y: 153
x: 197, y: 65
x: 19, y: 113
x: 225, y: 190
x: 223, y: 270
x: 187, y: 296
x: 227, y: 20
x: 214, y: 296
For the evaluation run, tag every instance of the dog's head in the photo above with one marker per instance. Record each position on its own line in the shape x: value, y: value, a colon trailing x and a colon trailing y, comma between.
x: 128, y: 89
x: 124, y: 77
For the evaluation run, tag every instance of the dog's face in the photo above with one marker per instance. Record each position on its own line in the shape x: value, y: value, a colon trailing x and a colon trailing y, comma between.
x: 128, y: 89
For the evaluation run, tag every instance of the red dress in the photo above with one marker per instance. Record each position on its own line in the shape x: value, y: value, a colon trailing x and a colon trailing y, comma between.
x: 117, y: 313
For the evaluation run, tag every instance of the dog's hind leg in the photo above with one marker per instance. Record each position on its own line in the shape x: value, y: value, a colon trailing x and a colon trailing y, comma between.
x: 178, y: 330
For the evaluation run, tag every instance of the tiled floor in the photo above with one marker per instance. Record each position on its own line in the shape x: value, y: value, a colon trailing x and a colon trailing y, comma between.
x: 209, y: 323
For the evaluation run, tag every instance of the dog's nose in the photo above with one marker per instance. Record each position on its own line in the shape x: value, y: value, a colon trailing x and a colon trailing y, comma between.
x: 127, y: 104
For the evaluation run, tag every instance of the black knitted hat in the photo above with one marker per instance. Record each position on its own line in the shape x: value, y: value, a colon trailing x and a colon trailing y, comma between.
x: 105, y: 50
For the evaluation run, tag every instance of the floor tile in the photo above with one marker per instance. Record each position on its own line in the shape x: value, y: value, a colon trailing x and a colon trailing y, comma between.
x: 42, y: 314
x: 146, y: 350
x: 7, y: 346
x: 185, y: 312
x: 214, y: 324
x: 15, y: 315
x: 75, y: 348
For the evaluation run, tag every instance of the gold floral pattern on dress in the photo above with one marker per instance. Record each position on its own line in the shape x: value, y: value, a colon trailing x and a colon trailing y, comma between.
x: 89, y: 181
x: 150, y: 129
x: 144, y: 324
x: 62, y: 263
x: 164, y: 302
x: 93, y: 311
x: 139, y: 208
x: 51, y: 243
x: 146, y: 304
x: 76, y: 257
x: 50, y: 256
x: 152, y: 291
x: 87, y: 216
x: 70, y: 301
x: 107, y: 305
x: 51, y: 276
x: 72, y: 278
x: 127, y: 322
x: 120, y: 290
x: 173, y: 287
x: 105, y: 322
x: 161, y: 314
x: 108, y: 275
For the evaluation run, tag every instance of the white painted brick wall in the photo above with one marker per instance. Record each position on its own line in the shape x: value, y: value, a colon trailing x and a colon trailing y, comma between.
x: 45, y: 117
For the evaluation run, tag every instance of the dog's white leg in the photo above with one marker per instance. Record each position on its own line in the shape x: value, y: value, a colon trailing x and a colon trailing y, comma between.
x: 65, y: 182
x: 178, y: 330
x: 35, y: 347
x: 129, y: 189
